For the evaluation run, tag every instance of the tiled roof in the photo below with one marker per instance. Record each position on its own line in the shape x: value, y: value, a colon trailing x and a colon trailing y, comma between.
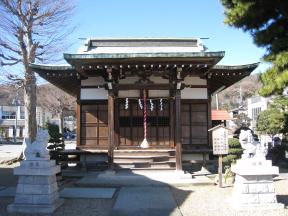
x: 220, y: 115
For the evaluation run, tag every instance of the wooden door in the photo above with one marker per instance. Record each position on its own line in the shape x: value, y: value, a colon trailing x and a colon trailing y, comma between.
x: 94, y: 125
x: 194, y: 121
x: 131, y: 131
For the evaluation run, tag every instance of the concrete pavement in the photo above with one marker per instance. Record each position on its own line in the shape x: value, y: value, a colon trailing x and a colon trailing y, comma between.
x: 9, y: 152
x: 143, y: 201
x: 125, y: 178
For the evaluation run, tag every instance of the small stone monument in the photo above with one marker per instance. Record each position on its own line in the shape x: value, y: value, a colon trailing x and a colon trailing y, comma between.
x: 254, y: 186
x: 37, y: 189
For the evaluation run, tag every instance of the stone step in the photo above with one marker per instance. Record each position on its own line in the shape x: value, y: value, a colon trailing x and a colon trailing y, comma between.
x: 143, y: 159
x: 159, y: 152
x: 142, y: 177
x: 146, y: 165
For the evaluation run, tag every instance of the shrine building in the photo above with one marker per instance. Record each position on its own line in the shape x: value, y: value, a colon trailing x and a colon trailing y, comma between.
x: 144, y: 102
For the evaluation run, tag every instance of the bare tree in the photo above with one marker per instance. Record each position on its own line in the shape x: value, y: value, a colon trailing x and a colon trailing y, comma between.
x: 31, y: 31
x: 57, y: 102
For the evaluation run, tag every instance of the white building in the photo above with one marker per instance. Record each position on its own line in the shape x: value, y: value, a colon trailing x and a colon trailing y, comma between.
x: 256, y: 105
x: 11, y: 116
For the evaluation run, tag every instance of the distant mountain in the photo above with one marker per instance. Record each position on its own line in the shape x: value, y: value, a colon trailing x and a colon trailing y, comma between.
x: 8, y: 95
x: 46, y: 94
x: 230, y: 98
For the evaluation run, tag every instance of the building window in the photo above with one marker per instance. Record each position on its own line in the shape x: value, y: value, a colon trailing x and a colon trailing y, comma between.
x: 22, y: 112
x: 255, y: 113
x: 8, y: 115
x: 22, y: 115
x: 256, y: 99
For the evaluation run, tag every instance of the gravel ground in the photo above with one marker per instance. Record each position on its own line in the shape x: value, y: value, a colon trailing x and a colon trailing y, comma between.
x: 192, y: 200
x: 213, y: 201
x: 71, y: 207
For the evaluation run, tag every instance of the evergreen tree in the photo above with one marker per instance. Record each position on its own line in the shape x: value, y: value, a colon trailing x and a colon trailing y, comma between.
x: 274, y: 120
x: 267, y: 22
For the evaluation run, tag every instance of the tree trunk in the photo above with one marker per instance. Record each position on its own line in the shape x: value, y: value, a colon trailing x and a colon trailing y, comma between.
x: 30, y: 105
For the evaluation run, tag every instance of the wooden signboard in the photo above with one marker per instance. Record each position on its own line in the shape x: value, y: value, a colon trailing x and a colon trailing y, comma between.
x: 220, y: 146
x: 220, y: 140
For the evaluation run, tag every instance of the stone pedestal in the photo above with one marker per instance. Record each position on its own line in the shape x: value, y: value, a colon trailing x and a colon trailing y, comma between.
x: 254, y: 186
x: 37, y: 190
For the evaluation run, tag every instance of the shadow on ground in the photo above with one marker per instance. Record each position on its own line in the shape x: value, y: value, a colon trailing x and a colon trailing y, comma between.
x: 137, y: 195
x: 283, y: 199
x: 7, y: 179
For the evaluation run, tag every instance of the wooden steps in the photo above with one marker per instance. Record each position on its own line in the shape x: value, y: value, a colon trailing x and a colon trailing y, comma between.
x: 145, y: 159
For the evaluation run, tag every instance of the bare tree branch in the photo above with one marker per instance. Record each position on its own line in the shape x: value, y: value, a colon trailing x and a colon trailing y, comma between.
x: 30, y: 30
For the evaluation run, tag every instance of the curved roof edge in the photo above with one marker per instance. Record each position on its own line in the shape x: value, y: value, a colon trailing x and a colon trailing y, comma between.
x: 68, y: 56
x: 236, y: 67
x: 51, y: 67
x: 223, y: 76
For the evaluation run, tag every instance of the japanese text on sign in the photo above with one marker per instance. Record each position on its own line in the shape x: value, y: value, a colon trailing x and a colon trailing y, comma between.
x: 220, y: 141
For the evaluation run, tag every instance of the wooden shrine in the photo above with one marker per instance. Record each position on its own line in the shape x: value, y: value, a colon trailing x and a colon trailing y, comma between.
x: 110, y: 78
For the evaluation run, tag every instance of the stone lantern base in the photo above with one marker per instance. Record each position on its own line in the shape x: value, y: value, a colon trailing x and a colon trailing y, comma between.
x: 254, y: 186
x: 37, y: 190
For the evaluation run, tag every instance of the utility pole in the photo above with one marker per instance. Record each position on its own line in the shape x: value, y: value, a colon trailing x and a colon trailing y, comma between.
x: 16, y: 117
x: 18, y: 111
x: 217, y: 104
x: 241, y: 98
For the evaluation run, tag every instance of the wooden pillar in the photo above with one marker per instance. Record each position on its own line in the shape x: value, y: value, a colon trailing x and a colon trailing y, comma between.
x: 116, y: 124
x: 172, y: 130
x: 111, y: 134
x: 178, y: 130
x: 209, y: 115
x: 78, y: 123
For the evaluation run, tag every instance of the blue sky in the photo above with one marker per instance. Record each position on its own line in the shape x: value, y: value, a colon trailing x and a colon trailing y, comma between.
x: 164, y: 18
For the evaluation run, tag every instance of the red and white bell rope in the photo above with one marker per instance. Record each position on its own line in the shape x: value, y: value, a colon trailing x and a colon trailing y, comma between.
x: 145, y: 143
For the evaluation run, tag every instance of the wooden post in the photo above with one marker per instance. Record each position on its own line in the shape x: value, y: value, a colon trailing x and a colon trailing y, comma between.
x: 220, y: 146
x: 178, y: 130
x: 220, y: 170
x: 78, y: 122
x: 110, y: 129
x: 172, y: 130
x: 116, y: 124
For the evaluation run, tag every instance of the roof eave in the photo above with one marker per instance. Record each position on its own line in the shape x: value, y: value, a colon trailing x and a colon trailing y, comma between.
x: 130, y: 57
x: 223, y: 76
x: 42, y: 67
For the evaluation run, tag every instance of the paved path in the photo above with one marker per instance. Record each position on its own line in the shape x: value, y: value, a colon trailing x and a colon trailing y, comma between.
x: 71, y: 193
x: 9, y: 151
x: 143, y: 178
x: 143, y: 201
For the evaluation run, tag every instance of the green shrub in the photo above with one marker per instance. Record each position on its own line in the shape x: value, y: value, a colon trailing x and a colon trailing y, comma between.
x: 234, y: 153
x: 53, y: 130
x: 56, y: 142
x: 234, y: 142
